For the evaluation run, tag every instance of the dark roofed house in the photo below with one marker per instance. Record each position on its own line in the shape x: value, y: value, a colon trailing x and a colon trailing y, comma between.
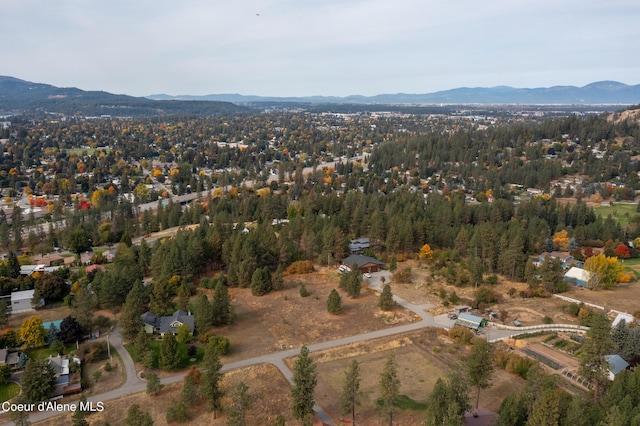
x: 9, y: 358
x: 162, y: 325
x: 358, y: 246
x: 366, y: 264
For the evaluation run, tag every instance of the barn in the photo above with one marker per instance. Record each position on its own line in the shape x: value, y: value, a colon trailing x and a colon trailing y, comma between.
x: 578, y: 276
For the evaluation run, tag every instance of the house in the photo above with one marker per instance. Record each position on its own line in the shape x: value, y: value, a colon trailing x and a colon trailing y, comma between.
x: 616, y: 365
x: 567, y: 260
x: 359, y: 245
x: 471, y: 321
x: 52, y: 259
x: 21, y: 301
x: 85, y: 258
x: 28, y: 270
x: 366, y: 264
x: 578, y: 276
x: 461, y: 309
x: 155, y: 324
x: 67, y: 383
x: 9, y: 358
x: 92, y: 268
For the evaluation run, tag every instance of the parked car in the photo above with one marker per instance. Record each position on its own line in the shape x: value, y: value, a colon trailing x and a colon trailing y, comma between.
x: 367, y: 275
x: 453, y: 316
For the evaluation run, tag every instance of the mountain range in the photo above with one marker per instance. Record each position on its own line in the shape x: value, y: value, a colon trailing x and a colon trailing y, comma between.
x: 19, y: 96
x: 603, y: 92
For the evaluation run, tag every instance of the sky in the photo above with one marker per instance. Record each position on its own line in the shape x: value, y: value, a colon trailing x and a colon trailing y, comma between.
x: 318, y: 47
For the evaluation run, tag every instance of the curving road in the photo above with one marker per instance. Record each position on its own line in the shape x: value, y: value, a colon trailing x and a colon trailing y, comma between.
x: 134, y: 385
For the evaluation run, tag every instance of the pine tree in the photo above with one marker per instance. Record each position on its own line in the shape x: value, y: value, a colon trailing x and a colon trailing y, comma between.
x: 389, y: 386
x: 153, y: 384
x: 597, y: 344
x: 189, y: 393
x: 169, y: 355
x: 204, y: 314
x: 222, y: 312
x: 261, y: 282
x: 240, y: 402
x: 479, y: 365
x: 211, y: 377
x: 304, y: 384
x: 386, y: 302
x: 137, y: 417
x: 38, y: 380
x: 351, y: 393
x: 334, y: 303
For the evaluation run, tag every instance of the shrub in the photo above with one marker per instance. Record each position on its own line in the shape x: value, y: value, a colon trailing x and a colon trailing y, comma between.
x: 303, y: 291
x: 102, y: 321
x: 402, y: 275
x: 461, y: 335
x: 221, y: 343
x: 512, y: 291
x: 93, y: 351
x: 572, y: 309
x: 301, y: 267
x: 547, y: 320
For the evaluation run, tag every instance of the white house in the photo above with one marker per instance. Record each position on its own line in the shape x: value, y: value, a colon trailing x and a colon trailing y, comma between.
x: 21, y: 301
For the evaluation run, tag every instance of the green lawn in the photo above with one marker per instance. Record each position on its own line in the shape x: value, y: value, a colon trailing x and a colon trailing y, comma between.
x: 622, y: 213
x: 182, y: 349
x: 8, y: 391
x: 42, y: 353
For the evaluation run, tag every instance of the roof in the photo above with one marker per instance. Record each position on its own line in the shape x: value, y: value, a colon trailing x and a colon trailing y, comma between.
x: 360, y: 260
x: 473, y: 319
x: 94, y: 267
x: 628, y: 319
x: 22, y: 295
x: 174, y: 321
x: 578, y: 274
x: 3, y: 355
x: 30, y: 269
x: 169, y: 323
x: 616, y: 363
x: 556, y: 255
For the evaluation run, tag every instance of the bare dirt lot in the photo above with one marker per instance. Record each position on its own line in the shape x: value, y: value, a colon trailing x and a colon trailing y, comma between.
x: 285, y: 319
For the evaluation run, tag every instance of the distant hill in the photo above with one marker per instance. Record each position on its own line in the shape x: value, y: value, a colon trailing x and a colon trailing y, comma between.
x: 24, y: 96
x: 603, y: 92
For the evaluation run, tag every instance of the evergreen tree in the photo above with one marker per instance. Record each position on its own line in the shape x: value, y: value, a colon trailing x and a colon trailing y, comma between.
x: 597, y: 344
x: 351, y: 393
x: 389, y: 386
x: 141, y: 345
x: 240, y: 403
x: 153, y: 384
x: 222, y: 312
x: 86, y: 304
x: 38, y: 380
x: 189, y: 393
x: 304, y: 384
x: 137, y: 417
x: 479, y: 365
x: 176, y: 412
x: 211, y: 377
x: 334, y: 303
x: 261, y: 282
x: 204, y: 315
x: 169, y: 355
x: 546, y: 410
x: 386, y: 302
x: 133, y: 308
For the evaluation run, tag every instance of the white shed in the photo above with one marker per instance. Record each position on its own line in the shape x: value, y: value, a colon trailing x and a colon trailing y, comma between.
x: 21, y: 301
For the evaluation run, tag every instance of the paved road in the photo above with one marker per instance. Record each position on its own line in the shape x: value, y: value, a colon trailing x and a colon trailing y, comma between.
x: 134, y: 385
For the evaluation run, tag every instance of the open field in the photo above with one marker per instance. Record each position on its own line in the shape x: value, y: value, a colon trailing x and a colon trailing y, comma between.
x: 621, y: 212
x: 8, y: 391
x: 285, y: 319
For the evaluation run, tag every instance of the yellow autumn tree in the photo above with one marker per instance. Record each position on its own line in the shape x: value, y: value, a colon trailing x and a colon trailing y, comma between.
x: 605, y: 271
x: 425, y: 252
x: 561, y: 240
x: 32, y: 333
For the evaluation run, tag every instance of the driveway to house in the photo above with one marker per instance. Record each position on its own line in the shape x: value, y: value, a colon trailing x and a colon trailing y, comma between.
x: 133, y: 384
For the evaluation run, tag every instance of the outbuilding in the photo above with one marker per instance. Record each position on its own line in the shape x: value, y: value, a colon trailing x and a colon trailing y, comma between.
x: 578, y: 276
x: 471, y: 321
x: 21, y: 301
